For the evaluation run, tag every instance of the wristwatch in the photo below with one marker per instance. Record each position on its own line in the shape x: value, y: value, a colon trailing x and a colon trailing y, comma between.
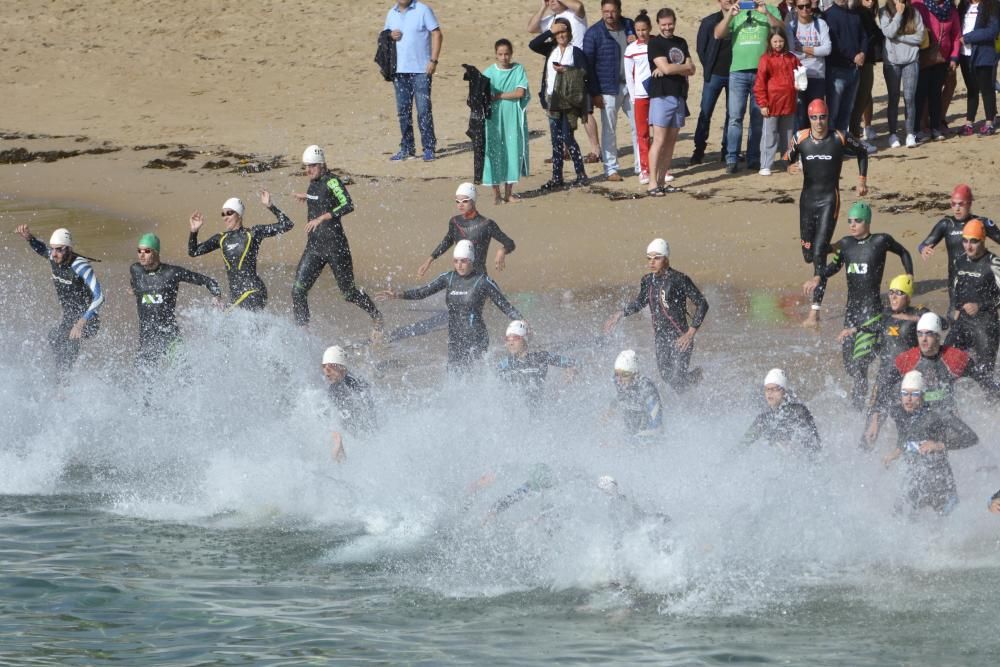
x: 434, y: 61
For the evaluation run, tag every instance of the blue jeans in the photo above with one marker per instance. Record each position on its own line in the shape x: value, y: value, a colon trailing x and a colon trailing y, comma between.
x: 709, y: 97
x: 841, y: 88
x: 407, y: 87
x: 740, y: 92
x: 562, y: 136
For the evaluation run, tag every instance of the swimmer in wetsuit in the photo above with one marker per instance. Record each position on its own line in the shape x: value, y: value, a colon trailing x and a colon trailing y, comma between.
x: 864, y: 255
x: 924, y: 437
x: 786, y: 423
x: 949, y: 229
x: 822, y: 154
x: 327, y: 202
x: 637, y: 399
x: 240, y: 247
x: 155, y: 287
x: 666, y: 293
x: 527, y: 370
x: 350, y: 396
x: 469, y: 225
x: 467, y: 292
x: 976, y: 299
x: 78, y: 291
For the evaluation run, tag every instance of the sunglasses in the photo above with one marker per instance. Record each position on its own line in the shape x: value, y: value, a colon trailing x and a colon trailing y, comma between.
x: 818, y: 117
x: 913, y: 392
x: 226, y: 214
x: 144, y: 251
x: 856, y: 221
x: 896, y: 292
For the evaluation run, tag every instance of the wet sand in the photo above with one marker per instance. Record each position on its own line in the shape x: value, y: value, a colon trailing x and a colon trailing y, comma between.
x: 240, y: 80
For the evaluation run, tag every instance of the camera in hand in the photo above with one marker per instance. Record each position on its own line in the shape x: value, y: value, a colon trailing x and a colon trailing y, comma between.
x: 747, y: 4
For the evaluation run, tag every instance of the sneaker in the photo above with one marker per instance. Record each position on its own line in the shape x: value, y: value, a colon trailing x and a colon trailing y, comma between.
x: 938, y: 135
x: 894, y: 141
x: 764, y: 172
x: 697, y: 157
x: 402, y: 155
x: 911, y: 141
x: 644, y: 177
x: 582, y: 181
x: 669, y: 177
x: 428, y: 155
x: 923, y: 137
x: 967, y: 130
x: 987, y: 131
x: 869, y: 148
x: 615, y: 177
x: 869, y: 134
x: 730, y: 167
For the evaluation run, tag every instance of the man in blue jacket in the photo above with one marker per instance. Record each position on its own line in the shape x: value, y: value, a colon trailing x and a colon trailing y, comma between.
x: 716, y: 55
x: 604, y: 45
x: 843, y: 65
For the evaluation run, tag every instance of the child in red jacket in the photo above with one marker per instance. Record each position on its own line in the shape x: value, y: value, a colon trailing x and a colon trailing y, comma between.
x: 776, y: 96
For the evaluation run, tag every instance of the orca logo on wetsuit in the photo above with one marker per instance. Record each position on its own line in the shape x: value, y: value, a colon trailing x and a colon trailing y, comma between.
x: 819, y: 157
x: 971, y: 274
x: 152, y: 299
x: 61, y: 280
x: 857, y: 267
x: 459, y: 293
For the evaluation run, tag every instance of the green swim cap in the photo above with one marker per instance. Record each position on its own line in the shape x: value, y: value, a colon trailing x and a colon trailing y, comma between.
x: 152, y: 241
x: 860, y: 211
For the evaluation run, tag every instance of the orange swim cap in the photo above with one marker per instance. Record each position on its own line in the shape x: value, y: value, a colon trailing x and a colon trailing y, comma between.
x: 974, y: 229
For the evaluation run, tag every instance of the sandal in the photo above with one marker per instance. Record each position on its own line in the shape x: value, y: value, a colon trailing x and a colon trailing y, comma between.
x: 655, y: 192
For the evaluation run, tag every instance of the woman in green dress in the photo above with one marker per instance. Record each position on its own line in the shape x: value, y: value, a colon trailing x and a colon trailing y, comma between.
x: 507, y: 127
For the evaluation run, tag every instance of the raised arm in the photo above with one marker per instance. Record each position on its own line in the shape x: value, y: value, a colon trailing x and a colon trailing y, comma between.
x: 499, y: 300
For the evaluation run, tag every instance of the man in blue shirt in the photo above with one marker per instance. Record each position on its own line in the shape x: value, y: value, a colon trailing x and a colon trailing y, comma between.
x: 418, y: 39
x: 843, y: 65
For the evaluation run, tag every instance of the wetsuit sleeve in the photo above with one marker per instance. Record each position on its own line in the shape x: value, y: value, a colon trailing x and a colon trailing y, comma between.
x: 39, y: 247
x: 692, y: 292
x: 852, y: 147
x: 448, y: 241
x: 511, y: 498
x: 808, y: 425
x: 195, y: 249
x: 904, y: 254
x: 195, y: 278
x: 957, y: 434
x: 559, y: 360
x: 433, y: 287
x: 497, y: 234
x: 641, y: 300
x: 283, y: 224
x: 834, y: 267
x: 792, y: 155
x: 654, y: 407
x: 83, y: 269
x: 341, y: 203
x: 992, y: 231
x: 499, y: 300
x: 937, y: 233
x: 995, y: 285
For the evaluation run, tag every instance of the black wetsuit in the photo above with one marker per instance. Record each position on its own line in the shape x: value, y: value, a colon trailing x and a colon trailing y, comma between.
x: 327, y: 244
x: 930, y: 482
x: 239, y: 254
x: 977, y: 281
x: 80, y: 296
x: 156, y: 302
x: 865, y: 261
x: 353, y: 401
x: 819, y: 203
x: 891, y: 336
x: 790, y: 426
x: 667, y: 296
x: 479, y: 230
x: 940, y: 372
x: 950, y: 229
x: 641, y: 407
x: 467, y: 335
x: 528, y: 372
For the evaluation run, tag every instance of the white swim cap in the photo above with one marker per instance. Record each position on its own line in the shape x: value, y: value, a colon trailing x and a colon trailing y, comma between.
x: 464, y: 250
x: 914, y: 381
x: 776, y: 376
x: 930, y: 322
x: 607, y: 484
x: 234, y: 204
x: 658, y: 248
x: 627, y: 362
x: 466, y: 190
x: 517, y: 328
x: 313, y: 155
x: 335, y: 355
x: 61, y: 237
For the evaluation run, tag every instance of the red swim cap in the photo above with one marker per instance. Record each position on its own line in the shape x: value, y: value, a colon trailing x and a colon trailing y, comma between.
x: 817, y: 106
x: 962, y: 192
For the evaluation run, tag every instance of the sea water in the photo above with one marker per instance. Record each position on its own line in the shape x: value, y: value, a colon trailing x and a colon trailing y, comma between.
x: 192, y: 513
